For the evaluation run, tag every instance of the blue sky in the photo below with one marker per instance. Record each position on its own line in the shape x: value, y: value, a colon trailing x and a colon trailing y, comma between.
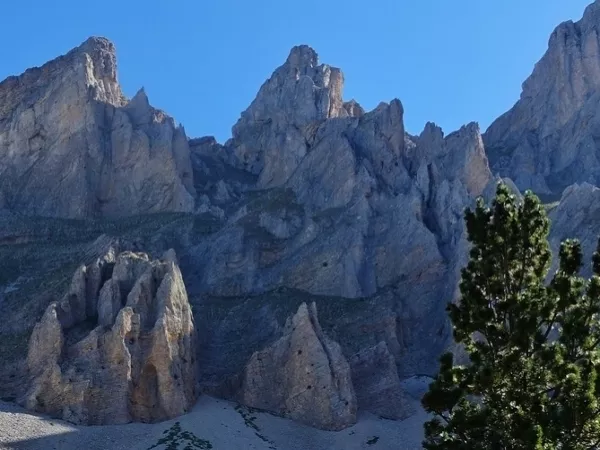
x: 202, y: 61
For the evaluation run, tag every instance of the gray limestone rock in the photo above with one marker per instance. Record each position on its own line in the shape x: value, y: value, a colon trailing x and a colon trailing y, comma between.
x: 363, y: 209
x: 548, y: 141
x: 135, y: 361
x: 303, y: 376
x: 378, y: 389
x: 73, y: 146
x: 270, y: 138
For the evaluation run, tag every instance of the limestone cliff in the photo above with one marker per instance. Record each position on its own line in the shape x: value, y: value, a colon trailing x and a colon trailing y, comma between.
x: 321, y: 196
x: 71, y: 145
x: 549, y: 139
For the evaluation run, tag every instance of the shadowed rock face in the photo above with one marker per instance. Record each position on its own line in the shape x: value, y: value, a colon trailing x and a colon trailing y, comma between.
x: 303, y: 376
x: 377, y: 385
x: 71, y: 145
x: 549, y: 139
x: 119, y: 347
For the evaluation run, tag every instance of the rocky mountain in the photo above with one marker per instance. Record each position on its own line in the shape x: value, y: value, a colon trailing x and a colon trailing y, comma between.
x: 344, y: 204
x: 71, y: 145
x: 313, y: 204
x: 312, y: 200
x: 550, y: 138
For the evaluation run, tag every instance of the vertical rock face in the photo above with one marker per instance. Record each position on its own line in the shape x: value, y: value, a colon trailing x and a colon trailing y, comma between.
x: 119, y: 347
x: 363, y: 204
x: 303, y: 376
x: 549, y: 139
x: 71, y: 145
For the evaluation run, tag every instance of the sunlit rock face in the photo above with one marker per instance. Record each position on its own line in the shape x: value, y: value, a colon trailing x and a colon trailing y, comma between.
x: 119, y: 347
x: 549, y: 139
x: 71, y: 145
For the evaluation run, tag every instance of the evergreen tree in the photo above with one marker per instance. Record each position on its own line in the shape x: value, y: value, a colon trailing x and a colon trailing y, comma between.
x: 532, y: 382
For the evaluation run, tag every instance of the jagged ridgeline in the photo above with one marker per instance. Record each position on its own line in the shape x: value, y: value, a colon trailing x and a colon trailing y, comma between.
x: 321, y: 242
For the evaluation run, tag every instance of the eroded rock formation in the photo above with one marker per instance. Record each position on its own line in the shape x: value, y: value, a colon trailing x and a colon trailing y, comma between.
x: 303, y: 376
x: 119, y: 347
x: 71, y: 145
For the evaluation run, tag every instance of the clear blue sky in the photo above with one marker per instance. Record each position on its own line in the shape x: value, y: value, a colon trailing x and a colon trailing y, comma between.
x: 202, y: 61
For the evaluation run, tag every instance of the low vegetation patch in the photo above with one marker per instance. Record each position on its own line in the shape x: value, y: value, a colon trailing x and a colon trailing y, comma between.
x: 373, y: 440
x: 177, y: 439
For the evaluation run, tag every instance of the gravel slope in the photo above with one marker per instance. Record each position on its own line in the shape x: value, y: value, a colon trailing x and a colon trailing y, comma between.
x: 213, y: 424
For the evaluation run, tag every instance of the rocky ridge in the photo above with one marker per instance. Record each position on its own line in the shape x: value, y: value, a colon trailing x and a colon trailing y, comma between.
x: 312, y: 194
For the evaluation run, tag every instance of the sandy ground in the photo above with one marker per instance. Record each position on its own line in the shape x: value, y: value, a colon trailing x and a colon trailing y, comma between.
x: 223, y: 425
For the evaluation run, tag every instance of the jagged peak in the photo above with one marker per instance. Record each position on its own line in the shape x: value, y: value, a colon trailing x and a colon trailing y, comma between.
x: 471, y: 128
x: 96, y: 43
x: 589, y: 21
x: 431, y: 128
x: 354, y: 108
x: 470, y: 132
x: 99, y: 49
x: 302, y: 57
x: 394, y: 105
x: 140, y: 97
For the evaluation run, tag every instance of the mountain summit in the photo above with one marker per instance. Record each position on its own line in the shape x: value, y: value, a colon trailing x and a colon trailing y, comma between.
x: 551, y: 137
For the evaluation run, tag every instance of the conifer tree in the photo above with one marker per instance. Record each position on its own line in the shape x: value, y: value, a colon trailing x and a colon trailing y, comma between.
x: 532, y: 382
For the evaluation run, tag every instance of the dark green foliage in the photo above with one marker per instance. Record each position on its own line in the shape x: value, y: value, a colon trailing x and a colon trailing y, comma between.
x: 373, y: 440
x: 174, y: 437
x: 532, y: 382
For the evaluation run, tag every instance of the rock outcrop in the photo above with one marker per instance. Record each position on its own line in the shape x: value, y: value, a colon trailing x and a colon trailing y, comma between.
x: 119, y: 347
x: 549, y: 139
x: 303, y: 376
x: 71, y: 145
x: 377, y: 384
x: 270, y: 139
